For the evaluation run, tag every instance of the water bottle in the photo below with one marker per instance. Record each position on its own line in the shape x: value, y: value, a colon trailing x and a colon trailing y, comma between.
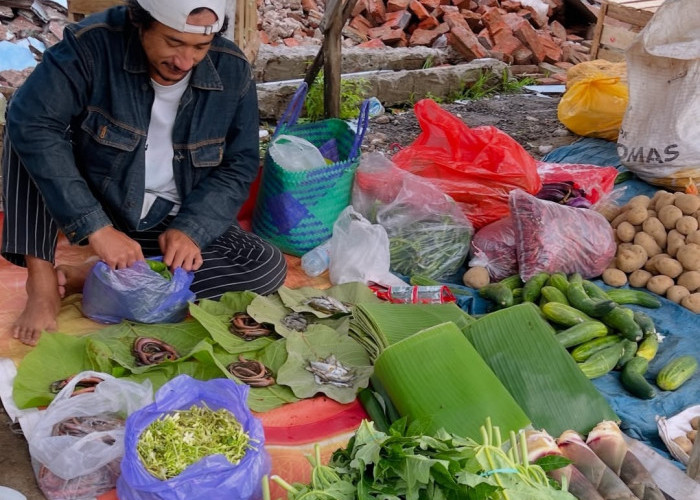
x: 317, y: 260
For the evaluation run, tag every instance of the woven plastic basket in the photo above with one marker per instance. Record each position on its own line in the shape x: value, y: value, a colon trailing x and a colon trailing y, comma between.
x: 295, y: 211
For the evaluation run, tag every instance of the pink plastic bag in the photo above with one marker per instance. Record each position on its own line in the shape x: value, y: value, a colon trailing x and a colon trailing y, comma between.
x: 493, y: 247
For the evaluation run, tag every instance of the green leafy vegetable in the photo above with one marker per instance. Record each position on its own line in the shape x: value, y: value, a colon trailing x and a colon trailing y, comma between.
x: 181, y: 438
x: 159, y: 267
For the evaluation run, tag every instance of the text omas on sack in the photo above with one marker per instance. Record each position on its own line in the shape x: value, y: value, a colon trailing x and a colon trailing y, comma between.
x: 647, y: 154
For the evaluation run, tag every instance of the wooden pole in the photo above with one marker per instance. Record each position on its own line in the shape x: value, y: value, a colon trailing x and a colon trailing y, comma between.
x: 332, y: 63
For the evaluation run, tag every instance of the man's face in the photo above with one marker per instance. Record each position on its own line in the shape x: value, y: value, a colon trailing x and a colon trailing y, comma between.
x: 171, y: 53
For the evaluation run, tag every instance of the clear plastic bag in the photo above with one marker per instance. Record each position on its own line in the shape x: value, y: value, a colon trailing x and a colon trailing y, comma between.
x: 78, y: 442
x: 359, y: 251
x: 493, y: 247
x: 429, y: 235
x: 136, y: 293
x: 552, y: 237
x: 213, y: 476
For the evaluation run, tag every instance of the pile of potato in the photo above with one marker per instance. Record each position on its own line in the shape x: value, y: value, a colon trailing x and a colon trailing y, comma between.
x: 658, y: 246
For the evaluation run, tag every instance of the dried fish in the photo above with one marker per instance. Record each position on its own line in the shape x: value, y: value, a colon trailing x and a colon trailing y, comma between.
x: 251, y: 372
x: 331, y: 371
x: 244, y: 326
x: 150, y: 351
x: 295, y: 321
x: 328, y: 305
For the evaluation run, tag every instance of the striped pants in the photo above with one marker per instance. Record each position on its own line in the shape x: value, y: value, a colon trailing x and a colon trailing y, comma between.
x: 236, y: 261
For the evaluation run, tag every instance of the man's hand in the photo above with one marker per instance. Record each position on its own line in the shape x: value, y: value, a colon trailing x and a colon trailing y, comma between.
x: 115, y: 248
x: 179, y: 250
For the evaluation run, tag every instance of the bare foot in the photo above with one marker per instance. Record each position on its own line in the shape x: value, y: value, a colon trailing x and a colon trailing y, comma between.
x: 43, y: 302
x: 72, y: 278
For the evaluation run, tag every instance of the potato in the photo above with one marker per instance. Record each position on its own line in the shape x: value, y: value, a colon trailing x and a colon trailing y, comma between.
x: 639, y: 278
x: 669, y: 215
x: 692, y: 302
x: 695, y: 422
x: 688, y: 203
x: 651, y: 213
x: 653, y: 227
x: 476, y: 277
x: 690, y: 280
x: 676, y: 293
x: 659, y: 284
x: 689, y: 256
x: 661, y: 199
x: 641, y: 200
x: 693, y: 237
x: 630, y: 257
x: 686, y: 224
x: 625, y: 231
x: 637, y: 214
x: 651, y: 263
x: 684, y: 443
x: 621, y: 217
x: 692, y: 434
x: 647, y: 242
x: 674, y: 241
x: 614, y: 277
x: 669, y: 267
x: 609, y: 210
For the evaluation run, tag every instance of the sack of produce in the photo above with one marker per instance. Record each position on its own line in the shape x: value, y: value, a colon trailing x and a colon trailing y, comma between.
x: 493, y: 247
x: 146, y: 292
x: 552, y: 237
x: 477, y: 166
x: 219, y: 443
x: 78, y: 442
x: 660, y: 136
x: 429, y: 235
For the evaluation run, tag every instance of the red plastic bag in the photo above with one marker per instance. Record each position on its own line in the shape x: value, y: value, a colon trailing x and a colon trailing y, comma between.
x: 551, y: 237
x: 593, y: 180
x: 477, y: 167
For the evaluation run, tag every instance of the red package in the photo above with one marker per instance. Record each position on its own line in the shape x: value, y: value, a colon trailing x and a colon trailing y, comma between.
x: 551, y: 237
x: 477, y: 167
x: 593, y: 180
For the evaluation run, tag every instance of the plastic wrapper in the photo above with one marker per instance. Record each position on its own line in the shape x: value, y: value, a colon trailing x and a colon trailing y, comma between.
x: 431, y: 294
x: 477, y: 167
x: 213, y: 476
x: 593, y: 180
x: 78, y: 442
x: 551, y: 237
x: 428, y: 233
x: 493, y: 247
x: 136, y: 293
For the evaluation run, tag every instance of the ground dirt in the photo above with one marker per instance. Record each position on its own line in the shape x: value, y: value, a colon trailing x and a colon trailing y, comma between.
x: 530, y: 119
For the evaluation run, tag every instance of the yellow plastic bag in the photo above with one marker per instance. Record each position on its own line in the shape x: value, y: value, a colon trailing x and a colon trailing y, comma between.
x: 594, y: 106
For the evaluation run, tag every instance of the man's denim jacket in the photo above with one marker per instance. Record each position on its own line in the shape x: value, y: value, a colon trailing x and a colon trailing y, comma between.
x: 79, y: 125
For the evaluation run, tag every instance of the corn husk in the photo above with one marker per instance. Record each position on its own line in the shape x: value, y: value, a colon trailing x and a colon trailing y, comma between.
x: 520, y: 347
x: 378, y: 325
x: 606, y: 441
x: 437, y: 380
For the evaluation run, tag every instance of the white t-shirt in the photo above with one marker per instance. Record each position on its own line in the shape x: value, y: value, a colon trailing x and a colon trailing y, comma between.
x: 160, y: 181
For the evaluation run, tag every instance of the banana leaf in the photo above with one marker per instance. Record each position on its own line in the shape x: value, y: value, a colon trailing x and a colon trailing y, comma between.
x: 520, y: 347
x: 437, y: 380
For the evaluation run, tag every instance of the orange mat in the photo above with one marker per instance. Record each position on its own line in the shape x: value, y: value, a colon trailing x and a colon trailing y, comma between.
x: 290, y: 431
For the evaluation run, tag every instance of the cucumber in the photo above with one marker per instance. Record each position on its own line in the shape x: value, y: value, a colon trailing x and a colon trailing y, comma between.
x: 563, y: 315
x: 648, y: 347
x: 559, y: 280
x: 579, y: 299
x: 635, y: 297
x: 632, y: 378
x: 594, y: 291
x: 512, y: 282
x: 580, y: 333
x: 518, y: 296
x: 601, y: 362
x: 553, y: 294
x: 645, y: 323
x: 533, y: 287
x: 575, y: 278
x: 676, y: 372
x: 497, y: 293
x: 622, y: 319
x: 630, y: 349
x: 587, y: 349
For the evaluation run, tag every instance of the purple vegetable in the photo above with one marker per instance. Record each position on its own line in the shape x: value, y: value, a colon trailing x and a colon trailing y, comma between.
x: 579, y: 202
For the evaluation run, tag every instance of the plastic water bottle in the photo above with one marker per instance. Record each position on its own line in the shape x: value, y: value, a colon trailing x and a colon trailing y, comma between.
x: 317, y: 260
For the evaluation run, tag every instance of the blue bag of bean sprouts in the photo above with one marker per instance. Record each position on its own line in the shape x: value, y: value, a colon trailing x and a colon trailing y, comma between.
x: 137, y: 293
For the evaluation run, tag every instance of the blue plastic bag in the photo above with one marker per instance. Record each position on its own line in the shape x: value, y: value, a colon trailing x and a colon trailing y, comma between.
x: 136, y: 293
x: 213, y: 476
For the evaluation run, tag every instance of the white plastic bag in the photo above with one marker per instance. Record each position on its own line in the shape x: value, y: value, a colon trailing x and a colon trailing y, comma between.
x: 70, y: 457
x: 660, y: 136
x: 359, y: 251
x: 295, y: 153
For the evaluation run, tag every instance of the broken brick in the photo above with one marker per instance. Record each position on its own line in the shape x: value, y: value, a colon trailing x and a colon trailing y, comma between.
x: 428, y: 23
x: 455, y: 19
x: 552, y: 50
x: 473, y: 20
x: 359, y: 8
x: 398, y: 19
x: 427, y: 37
x: 397, y: 5
x: 558, y: 30
x: 522, y: 56
x: 530, y: 39
x: 417, y: 8
x: 466, y: 43
x: 376, y: 11
x: 372, y: 43
x: 361, y: 24
x: 308, y: 5
x: 394, y: 37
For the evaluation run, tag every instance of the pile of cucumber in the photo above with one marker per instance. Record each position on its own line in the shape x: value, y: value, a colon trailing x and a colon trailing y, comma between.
x: 600, y: 333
